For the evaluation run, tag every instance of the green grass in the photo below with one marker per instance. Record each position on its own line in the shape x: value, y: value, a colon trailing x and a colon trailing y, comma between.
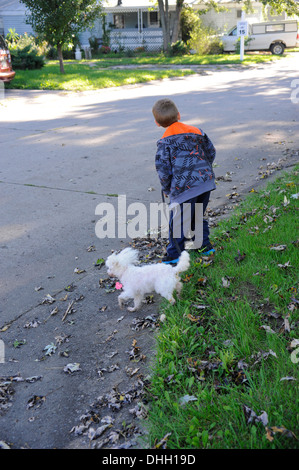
x: 194, y: 59
x: 80, y: 76
x: 214, y: 346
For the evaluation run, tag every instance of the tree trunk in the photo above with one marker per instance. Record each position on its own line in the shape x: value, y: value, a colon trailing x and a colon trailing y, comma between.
x: 60, y: 57
x: 176, y: 25
x: 164, y: 14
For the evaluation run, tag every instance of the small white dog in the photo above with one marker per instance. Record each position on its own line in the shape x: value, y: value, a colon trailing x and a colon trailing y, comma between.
x: 140, y: 280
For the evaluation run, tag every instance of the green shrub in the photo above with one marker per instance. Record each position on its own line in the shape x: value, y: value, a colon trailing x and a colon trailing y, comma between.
x: 52, y: 53
x: 238, y: 43
x: 26, y: 58
x: 12, y: 36
x: 179, y: 48
x: 27, y: 51
x: 94, y: 45
x: 189, y: 22
x: 129, y: 53
x: 204, y: 40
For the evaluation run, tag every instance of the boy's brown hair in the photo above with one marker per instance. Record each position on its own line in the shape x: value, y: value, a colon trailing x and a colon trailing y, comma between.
x: 165, y: 112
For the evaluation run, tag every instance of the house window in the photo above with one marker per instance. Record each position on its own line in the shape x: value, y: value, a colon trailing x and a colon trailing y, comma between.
x: 153, y: 19
x: 119, y: 21
x: 239, y: 13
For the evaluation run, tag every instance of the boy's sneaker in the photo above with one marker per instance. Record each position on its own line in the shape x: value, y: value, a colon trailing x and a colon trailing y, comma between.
x: 206, y: 250
x: 169, y: 260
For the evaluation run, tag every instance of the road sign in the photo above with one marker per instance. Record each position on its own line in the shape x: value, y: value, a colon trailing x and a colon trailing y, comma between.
x: 242, y: 28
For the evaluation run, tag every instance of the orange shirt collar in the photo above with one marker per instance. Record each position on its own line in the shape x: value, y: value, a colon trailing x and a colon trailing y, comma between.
x: 180, y: 128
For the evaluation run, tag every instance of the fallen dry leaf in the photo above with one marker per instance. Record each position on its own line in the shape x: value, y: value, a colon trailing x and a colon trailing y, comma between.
x: 267, y: 329
x: 225, y: 282
x: 251, y: 417
x: 3, y: 445
x: 32, y: 324
x: 278, y: 247
x: 262, y: 355
x: 271, y: 431
x: 110, y: 337
x: 240, y: 257
x: 131, y: 371
x: 54, y: 311
x: 163, y: 443
x: 5, y: 327
x: 91, y: 248
x: 79, y: 271
x: 70, y: 368
x: 294, y: 343
x: 48, y: 299
x: 285, y: 265
x: 36, y: 401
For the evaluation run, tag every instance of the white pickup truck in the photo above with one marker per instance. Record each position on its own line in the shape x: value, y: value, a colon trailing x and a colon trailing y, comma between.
x: 273, y: 36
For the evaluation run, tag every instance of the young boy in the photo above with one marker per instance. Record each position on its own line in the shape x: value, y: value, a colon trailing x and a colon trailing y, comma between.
x: 184, y: 164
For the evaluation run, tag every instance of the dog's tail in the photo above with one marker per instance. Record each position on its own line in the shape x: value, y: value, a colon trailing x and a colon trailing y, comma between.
x: 184, y: 263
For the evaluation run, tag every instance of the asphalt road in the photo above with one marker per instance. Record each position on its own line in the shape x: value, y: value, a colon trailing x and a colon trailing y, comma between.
x: 62, y: 154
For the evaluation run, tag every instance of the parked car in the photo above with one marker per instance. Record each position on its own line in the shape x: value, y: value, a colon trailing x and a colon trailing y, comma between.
x: 273, y: 36
x: 6, y: 72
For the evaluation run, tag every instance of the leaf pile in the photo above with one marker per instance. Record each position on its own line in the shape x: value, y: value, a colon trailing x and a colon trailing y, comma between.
x: 96, y: 422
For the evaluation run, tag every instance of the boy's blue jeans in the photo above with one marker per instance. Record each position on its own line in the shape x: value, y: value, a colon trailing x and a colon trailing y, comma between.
x: 172, y: 250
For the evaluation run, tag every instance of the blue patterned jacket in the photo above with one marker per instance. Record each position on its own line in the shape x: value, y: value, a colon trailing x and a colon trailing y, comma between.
x: 184, y: 162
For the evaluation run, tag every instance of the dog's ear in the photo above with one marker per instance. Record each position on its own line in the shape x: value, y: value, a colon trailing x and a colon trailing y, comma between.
x: 116, y: 265
x: 110, y: 260
x: 113, y: 263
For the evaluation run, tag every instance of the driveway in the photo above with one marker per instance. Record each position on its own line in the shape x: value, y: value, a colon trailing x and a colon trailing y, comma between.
x: 62, y: 154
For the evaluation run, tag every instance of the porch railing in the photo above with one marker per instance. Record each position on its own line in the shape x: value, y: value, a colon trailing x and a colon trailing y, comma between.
x: 149, y: 38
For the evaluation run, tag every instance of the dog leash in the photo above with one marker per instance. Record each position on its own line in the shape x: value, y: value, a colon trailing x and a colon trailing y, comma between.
x: 171, y: 229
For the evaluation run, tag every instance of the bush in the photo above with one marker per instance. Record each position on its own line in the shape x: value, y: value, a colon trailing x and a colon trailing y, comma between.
x: 67, y: 52
x: 140, y: 50
x: 238, y: 44
x: 27, y: 52
x: 129, y: 53
x: 94, y: 45
x: 179, y: 48
x: 189, y: 22
x: 52, y: 53
x: 214, y: 47
x: 204, y: 40
x: 26, y: 58
x: 12, y: 36
x: 104, y: 50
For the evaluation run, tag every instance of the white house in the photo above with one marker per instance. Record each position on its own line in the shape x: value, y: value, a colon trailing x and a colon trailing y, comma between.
x: 134, y: 23
x: 131, y: 24
x: 12, y: 15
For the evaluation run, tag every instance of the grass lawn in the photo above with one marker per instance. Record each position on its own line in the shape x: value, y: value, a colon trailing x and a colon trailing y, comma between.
x: 225, y: 374
x: 190, y: 59
x: 80, y: 76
